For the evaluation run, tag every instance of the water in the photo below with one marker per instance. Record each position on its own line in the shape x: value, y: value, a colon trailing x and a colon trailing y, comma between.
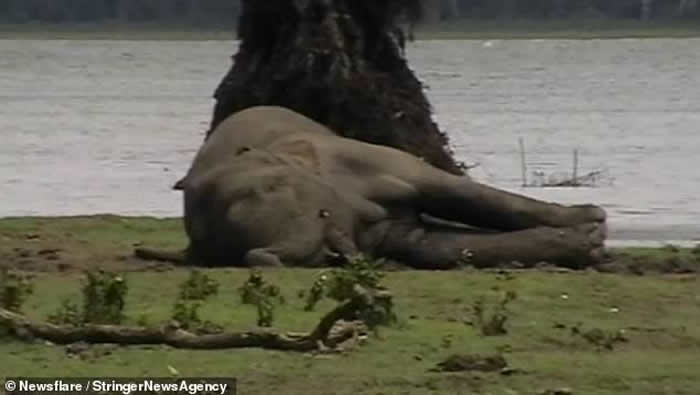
x: 108, y: 126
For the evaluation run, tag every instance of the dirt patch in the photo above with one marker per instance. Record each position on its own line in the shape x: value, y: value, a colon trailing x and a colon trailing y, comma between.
x: 39, y: 259
x: 69, y: 244
x: 666, y: 260
x: 472, y: 363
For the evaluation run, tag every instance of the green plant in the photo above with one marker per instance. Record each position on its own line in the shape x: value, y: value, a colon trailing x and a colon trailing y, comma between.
x: 671, y: 248
x: 493, y: 322
x: 316, y: 293
x: 600, y: 338
x: 198, y: 286
x: 67, y: 314
x: 104, y: 298
x: 14, y: 289
x: 193, y: 292
x: 695, y: 250
x: 340, y: 285
x: 104, y: 295
x: 264, y: 296
x: 359, y: 270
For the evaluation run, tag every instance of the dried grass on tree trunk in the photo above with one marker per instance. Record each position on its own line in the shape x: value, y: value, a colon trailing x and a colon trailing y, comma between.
x: 339, y: 62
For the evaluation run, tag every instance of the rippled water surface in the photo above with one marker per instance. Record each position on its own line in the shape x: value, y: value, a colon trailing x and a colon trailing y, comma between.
x: 108, y: 126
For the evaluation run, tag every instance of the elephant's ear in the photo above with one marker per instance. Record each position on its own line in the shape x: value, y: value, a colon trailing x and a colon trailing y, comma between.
x: 301, y: 150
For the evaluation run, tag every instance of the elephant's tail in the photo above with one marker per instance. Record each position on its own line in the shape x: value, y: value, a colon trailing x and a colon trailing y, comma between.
x: 175, y: 257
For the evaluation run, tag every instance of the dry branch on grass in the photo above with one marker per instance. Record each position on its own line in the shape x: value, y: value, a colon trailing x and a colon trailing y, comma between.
x: 335, y: 327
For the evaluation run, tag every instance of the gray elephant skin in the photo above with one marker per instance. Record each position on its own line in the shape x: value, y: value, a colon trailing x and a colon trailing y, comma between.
x: 270, y: 187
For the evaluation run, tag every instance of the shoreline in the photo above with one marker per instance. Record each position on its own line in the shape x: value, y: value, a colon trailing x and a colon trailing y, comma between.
x: 618, y: 238
x: 108, y: 242
x: 573, y: 29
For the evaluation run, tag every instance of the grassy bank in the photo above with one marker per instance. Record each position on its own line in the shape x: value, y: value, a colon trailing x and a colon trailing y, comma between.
x: 659, y: 314
x: 461, y: 29
x: 76, y: 243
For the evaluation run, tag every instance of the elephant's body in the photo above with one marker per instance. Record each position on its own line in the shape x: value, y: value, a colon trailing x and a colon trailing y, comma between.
x: 270, y: 186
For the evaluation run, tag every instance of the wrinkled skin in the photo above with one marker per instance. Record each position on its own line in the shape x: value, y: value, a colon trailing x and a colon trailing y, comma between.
x: 271, y: 187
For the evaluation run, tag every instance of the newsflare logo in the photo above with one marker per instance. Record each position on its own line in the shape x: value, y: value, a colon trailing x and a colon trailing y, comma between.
x: 120, y: 385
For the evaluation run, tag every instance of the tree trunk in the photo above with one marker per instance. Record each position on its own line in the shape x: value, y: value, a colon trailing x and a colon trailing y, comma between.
x: 194, y: 10
x: 123, y: 10
x: 646, y: 9
x: 432, y: 11
x: 163, y: 9
x: 508, y: 10
x: 452, y: 8
x: 339, y: 62
x: 687, y: 7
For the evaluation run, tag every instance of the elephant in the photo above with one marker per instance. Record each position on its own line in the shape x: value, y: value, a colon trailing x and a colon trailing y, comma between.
x: 271, y: 187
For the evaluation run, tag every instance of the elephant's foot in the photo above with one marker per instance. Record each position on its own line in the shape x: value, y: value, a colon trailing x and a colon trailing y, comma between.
x: 568, y: 216
x: 261, y: 258
x: 574, y: 247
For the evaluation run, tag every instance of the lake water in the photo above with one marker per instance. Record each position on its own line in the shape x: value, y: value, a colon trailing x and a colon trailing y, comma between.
x: 108, y: 126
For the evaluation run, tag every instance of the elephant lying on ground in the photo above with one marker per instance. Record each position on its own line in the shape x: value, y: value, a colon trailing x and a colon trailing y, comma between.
x: 272, y: 187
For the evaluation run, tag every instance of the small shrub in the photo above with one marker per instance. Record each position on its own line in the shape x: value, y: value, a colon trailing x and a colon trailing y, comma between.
x: 358, y: 271
x: 600, y: 338
x: 104, y: 297
x: 143, y: 320
x: 186, y: 314
x: 193, y: 292
x: 264, y: 296
x: 339, y: 285
x: 198, y: 286
x: 316, y: 293
x: 15, y: 288
x: 695, y: 250
x: 380, y: 313
x: 493, y: 322
x: 672, y: 248
x: 67, y: 314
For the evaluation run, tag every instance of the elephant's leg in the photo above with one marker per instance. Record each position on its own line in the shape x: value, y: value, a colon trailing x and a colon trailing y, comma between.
x: 399, y: 178
x: 260, y: 257
x: 441, y: 248
x: 460, y: 199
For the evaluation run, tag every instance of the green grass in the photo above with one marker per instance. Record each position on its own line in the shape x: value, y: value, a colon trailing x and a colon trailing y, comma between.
x: 460, y: 29
x: 661, y: 316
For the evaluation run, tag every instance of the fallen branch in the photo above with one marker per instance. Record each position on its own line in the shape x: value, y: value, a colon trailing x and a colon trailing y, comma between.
x: 335, y: 327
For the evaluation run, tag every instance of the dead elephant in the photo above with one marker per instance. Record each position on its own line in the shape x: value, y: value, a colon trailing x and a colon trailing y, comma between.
x: 272, y: 187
